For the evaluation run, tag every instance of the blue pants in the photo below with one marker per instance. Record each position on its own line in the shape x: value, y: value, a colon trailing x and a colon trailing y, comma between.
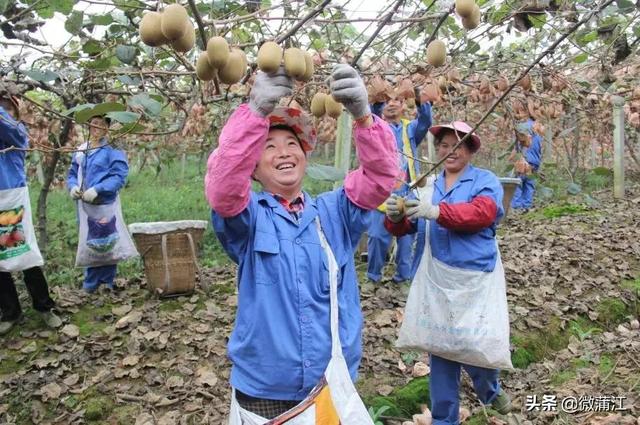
x: 444, y: 385
x: 523, y: 196
x: 94, y: 276
x: 378, y: 243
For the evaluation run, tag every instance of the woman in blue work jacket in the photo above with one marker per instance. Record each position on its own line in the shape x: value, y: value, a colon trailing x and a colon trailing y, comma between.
x: 461, y: 215
x: 408, y: 134
x: 104, y: 173
x: 281, y: 341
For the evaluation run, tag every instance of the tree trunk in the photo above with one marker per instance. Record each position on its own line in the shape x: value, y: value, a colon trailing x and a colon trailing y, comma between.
x: 49, y: 174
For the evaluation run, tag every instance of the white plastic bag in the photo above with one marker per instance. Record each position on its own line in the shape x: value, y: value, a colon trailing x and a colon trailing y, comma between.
x: 103, y: 236
x: 457, y: 314
x: 18, y: 245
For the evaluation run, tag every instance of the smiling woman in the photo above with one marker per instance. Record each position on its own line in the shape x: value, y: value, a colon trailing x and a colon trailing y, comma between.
x: 294, y: 252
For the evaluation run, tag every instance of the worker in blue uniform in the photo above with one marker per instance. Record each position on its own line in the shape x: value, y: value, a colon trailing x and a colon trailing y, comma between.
x: 409, y: 134
x: 104, y: 171
x: 532, y: 154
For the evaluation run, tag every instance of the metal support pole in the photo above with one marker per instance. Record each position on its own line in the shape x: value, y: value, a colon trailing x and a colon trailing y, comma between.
x: 618, y: 147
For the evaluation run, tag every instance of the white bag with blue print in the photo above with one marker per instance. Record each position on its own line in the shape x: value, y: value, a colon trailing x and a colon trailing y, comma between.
x: 457, y: 314
x: 103, y: 235
x: 18, y: 245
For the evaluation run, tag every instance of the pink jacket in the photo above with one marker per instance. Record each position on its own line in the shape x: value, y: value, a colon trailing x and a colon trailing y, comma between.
x: 229, y: 168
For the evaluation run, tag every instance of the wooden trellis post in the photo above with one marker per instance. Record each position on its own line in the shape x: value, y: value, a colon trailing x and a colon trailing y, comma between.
x: 618, y: 147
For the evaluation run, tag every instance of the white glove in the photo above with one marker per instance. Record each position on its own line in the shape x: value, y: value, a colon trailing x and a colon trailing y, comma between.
x: 89, y: 195
x: 75, y: 193
x: 395, y: 208
x: 348, y: 88
x: 423, y: 208
x: 268, y: 89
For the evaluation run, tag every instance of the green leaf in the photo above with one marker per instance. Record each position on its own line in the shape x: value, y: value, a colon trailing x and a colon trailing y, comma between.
x: 3, y: 5
x: 126, y: 54
x: 124, y: 117
x: 128, y: 129
x: 582, y: 57
x: 84, y: 113
x: 101, y: 63
x: 42, y: 76
x: 63, y: 6
x: 92, y: 47
x: 80, y: 107
x: 537, y: 20
x: 128, y: 81
x: 150, y: 106
x: 625, y: 6
x: 324, y: 172
x: 102, y: 19
x: 73, y: 24
x: 636, y: 30
x: 472, y: 47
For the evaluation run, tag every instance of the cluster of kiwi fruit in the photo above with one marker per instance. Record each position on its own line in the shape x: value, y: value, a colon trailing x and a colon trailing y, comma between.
x: 172, y: 26
x: 229, y: 64
x: 469, y: 11
x: 322, y: 103
x: 298, y: 64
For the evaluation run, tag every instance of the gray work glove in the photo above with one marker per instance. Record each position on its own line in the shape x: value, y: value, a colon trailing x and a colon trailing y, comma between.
x: 421, y: 208
x: 268, y: 89
x: 395, y: 211
x: 89, y: 195
x: 348, y: 88
x: 75, y: 193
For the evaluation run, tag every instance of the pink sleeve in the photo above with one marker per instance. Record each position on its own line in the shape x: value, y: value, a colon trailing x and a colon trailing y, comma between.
x: 371, y: 184
x: 228, y: 180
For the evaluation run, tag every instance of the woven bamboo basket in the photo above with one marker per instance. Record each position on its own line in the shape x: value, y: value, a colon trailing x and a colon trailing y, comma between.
x: 169, y: 252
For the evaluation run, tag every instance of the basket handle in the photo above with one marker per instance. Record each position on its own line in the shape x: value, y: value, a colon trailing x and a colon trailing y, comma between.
x: 165, y: 260
x: 193, y: 253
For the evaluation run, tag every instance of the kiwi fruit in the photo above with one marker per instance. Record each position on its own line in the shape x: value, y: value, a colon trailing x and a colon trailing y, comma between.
x: 235, y: 68
x: 318, y: 104
x: 333, y: 108
x: 269, y: 57
x: 436, y: 53
x: 218, y: 52
x: 294, y: 63
x: 473, y: 20
x: 174, y: 21
x: 187, y: 41
x: 309, y: 67
x: 464, y: 8
x: 150, y: 31
x: 204, y: 70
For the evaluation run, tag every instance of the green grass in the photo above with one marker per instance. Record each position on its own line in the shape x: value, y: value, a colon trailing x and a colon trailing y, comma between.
x: 88, y: 319
x: 404, y: 401
x: 554, y: 211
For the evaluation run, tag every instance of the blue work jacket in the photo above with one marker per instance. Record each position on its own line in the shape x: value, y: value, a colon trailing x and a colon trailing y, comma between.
x: 105, y: 169
x: 12, y: 133
x: 532, y: 154
x: 416, y: 131
x: 280, y: 345
x: 471, y: 251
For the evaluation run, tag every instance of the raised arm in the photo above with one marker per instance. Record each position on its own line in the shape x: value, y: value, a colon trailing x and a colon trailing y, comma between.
x: 228, y: 179
x: 370, y: 184
x: 422, y: 123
